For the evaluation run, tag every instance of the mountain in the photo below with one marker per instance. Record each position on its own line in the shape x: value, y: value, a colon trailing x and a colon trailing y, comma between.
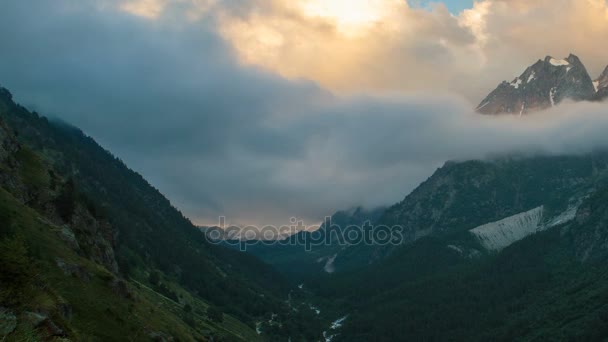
x: 513, y: 248
x: 544, y: 287
x: 308, y: 255
x: 91, y: 251
x: 543, y: 85
x: 477, y: 206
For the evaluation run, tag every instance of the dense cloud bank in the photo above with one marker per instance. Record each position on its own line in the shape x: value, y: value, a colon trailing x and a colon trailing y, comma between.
x: 171, y: 97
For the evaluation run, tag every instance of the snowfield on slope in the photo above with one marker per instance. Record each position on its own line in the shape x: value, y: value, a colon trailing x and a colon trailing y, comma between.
x: 497, y: 235
x: 500, y: 234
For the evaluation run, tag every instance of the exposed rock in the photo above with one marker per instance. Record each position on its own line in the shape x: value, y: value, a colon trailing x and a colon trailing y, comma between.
x: 34, y: 319
x: 160, y: 336
x: 69, y: 237
x: 40, y: 320
x: 8, y: 145
x: 8, y: 322
x: 469, y: 253
x: 9, y: 165
x: 121, y: 288
x: 602, y: 81
x: 601, y: 95
x: 73, y: 270
x: 65, y: 310
x: 53, y: 329
x: 95, y: 238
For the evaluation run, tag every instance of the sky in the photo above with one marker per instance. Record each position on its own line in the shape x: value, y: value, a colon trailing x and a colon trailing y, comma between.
x: 263, y: 110
x: 454, y: 6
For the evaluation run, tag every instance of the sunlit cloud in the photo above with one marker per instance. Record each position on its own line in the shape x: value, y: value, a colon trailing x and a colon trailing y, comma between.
x: 145, y: 8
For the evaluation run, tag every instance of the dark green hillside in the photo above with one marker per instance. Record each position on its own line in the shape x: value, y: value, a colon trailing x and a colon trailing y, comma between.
x: 541, y: 288
x: 551, y: 285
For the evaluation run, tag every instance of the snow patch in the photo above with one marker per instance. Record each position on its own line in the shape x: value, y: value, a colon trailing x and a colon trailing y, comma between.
x: 558, y: 62
x: 483, y: 105
x: 552, y: 96
x: 329, y: 264
x: 564, y: 217
x: 337, y: 324
x: 456, y: 248
x: 532, y: 77
x: 516, y: 83
x: 500, y: 234
x: 523, y: 108
x: 596, y: 85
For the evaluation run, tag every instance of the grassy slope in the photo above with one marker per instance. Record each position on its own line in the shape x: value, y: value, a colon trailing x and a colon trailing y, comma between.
x: 98, y: 312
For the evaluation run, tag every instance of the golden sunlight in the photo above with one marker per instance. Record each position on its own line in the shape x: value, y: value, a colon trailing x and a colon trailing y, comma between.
x: 347, y: 14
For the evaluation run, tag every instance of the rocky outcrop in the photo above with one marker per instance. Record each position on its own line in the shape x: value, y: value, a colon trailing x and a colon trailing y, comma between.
x: 8, y: 163
x: 120, y: 288
x: 43, y: 323
x: 8, y: 145
x: 159, y: 336
x: 602, y: 81
x: 73, y: 270
x: 601, y: 87
x: 95, y: 238
x: 588, y: 233
x: 8, y: 322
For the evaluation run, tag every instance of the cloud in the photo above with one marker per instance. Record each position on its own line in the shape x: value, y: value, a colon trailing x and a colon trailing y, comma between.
x: 170, y: 95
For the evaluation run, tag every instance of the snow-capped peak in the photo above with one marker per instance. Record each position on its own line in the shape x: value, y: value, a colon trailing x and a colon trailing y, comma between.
x: 558, y: 62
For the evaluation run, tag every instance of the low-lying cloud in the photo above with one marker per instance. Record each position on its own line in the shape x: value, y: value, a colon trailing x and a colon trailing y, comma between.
x: 172, y: 98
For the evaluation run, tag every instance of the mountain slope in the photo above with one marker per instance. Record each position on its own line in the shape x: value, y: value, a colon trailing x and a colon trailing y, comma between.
x: 462, y: 196
x: 114, y: 221
x: 552, y: 285
x: 546, y: 279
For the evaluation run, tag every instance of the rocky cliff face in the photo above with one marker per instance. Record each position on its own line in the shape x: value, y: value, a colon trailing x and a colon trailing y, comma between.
x: 601, y: 87
x: 544, y: 84
x: 8, y: 145
x: 35, y: 183
x: 602, y: 81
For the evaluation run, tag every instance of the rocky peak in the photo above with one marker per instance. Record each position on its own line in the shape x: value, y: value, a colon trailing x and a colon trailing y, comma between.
x: 544, y: 84
x: 8, y: 144
x: 601, y: 87
x: 602, y: 81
